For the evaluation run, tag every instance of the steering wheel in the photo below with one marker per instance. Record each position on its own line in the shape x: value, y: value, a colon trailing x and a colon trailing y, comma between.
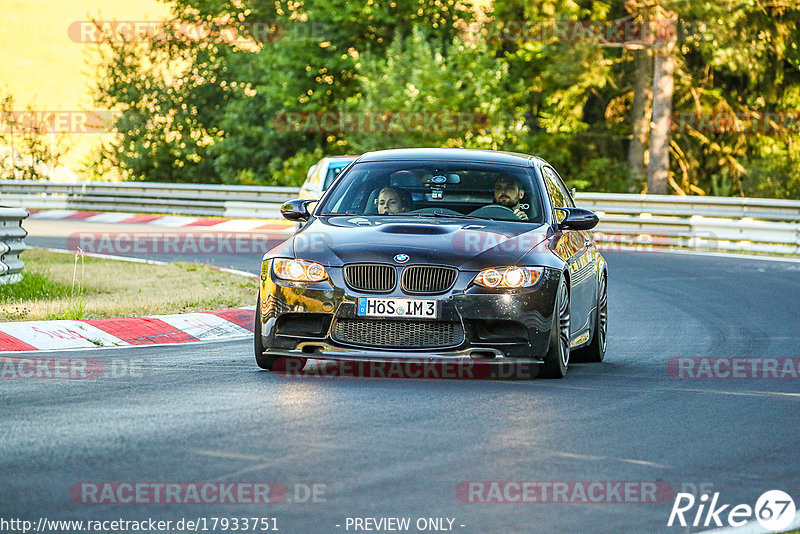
x: 498, y: 206
x: 503, y: 211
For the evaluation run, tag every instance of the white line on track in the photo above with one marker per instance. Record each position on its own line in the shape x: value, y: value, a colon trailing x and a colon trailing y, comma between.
x: 768, y: 394
x: 38, y: 353
x: 237, y: 272
x: 701, y: 253
x: 105, y: 256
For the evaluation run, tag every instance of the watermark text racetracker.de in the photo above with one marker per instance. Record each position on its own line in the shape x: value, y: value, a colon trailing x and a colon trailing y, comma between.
x: 657, y: 32
x: 40, y: 122
x: 118, y: 31
x: 752, y: 121
x: 71, y: 367
x: 380, y: 122
x: 166, y: 243
x: 410, y: 368
x: 727, y: 368
x: 478, y: 241
x: 619, y: 31
x: 49, y: 368
x: 564, y: 491
x: 203, y: 492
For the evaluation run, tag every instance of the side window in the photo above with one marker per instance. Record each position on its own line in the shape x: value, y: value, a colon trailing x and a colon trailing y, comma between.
x: 563, y: 187
x: 558, y: 197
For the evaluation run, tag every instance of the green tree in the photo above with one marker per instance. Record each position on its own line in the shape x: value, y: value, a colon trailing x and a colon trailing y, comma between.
x: 456, y: 84
x: 30, y: 148
x: 569, y: 91
x: 205, y: 110
x: 740, y: 56
x: 170, y: 91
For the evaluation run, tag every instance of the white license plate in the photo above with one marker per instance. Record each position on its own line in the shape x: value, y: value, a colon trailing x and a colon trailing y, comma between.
x: 375, y: 307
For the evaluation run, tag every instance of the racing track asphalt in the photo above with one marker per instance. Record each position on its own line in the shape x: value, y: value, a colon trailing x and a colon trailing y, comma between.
x: 400, y: 447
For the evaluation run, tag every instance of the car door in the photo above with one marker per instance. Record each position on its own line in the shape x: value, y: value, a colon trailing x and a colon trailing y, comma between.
x: 574, y: 247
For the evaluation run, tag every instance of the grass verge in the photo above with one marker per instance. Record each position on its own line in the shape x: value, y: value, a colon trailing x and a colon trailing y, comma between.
x: 56, y: 286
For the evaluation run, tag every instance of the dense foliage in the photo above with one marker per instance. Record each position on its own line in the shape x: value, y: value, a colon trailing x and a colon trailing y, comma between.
x: 214, y: 109
x: 29, y: 148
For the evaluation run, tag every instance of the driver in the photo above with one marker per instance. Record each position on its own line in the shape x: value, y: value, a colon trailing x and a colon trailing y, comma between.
x: 393, y: 200
x: 508, y: 193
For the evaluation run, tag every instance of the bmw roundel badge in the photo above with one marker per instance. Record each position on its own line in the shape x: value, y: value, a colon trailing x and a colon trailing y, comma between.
x: 401, y: 258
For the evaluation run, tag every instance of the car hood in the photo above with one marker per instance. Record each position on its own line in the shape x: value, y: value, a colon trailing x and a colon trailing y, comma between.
x: 465, y: 244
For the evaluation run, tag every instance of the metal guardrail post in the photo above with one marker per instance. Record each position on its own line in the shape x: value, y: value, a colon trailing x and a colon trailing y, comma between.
x: 11, y: 245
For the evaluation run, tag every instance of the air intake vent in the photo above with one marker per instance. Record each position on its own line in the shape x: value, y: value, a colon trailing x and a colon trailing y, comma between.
x: 398, y: 334
x: 372, y: 277
x: 427, y: 280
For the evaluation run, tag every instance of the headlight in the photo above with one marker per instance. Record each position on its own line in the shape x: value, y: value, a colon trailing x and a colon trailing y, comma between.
x: 299, y: 270
x: 509, y: 277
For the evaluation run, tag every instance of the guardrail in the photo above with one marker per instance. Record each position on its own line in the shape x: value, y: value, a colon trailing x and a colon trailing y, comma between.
x: 703, y: 223
x: 204, y: 200
x: 757, y: 225
x: 11, y: 244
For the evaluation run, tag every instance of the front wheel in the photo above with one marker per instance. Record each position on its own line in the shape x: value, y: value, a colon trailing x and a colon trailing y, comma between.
x: 265, y: 362
x: 557, y: 359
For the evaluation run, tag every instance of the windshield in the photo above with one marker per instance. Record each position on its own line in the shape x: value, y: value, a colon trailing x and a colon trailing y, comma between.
x: 436, y: 188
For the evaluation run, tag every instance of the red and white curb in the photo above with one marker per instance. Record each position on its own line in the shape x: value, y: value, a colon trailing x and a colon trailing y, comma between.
x: 166, y: 221
x: 153, y: 330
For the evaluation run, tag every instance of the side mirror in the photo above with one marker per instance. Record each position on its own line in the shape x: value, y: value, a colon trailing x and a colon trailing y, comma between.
x: 311, y: 171
x: 577, y: 219
x: 296, y: 210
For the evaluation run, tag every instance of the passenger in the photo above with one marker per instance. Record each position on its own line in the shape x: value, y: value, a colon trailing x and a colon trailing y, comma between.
x: 508, y: 193
x: 393, y: 200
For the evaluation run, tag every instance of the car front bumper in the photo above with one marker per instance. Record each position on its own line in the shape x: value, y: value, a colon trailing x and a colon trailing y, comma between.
x: 495, y: 326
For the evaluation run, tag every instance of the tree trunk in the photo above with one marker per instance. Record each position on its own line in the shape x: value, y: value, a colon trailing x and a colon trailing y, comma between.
x: 640, y: 114
x: 658, y: 166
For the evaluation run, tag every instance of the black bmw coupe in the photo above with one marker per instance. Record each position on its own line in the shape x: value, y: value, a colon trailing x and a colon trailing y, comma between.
x: 441, y: 255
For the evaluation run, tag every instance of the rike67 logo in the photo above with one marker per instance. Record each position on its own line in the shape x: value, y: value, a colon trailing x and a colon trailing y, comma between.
x: 774, y: 511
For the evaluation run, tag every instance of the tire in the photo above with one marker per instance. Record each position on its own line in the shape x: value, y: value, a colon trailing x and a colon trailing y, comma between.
x: 596, y: 350
x: 263, y: 361
x: 557, y: 359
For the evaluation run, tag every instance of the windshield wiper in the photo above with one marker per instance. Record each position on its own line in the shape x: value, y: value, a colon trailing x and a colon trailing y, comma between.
x: 446, y: 215
x: 349, y: 213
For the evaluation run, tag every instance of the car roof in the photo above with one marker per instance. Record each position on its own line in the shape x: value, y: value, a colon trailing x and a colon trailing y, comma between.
x: 452, y: 154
